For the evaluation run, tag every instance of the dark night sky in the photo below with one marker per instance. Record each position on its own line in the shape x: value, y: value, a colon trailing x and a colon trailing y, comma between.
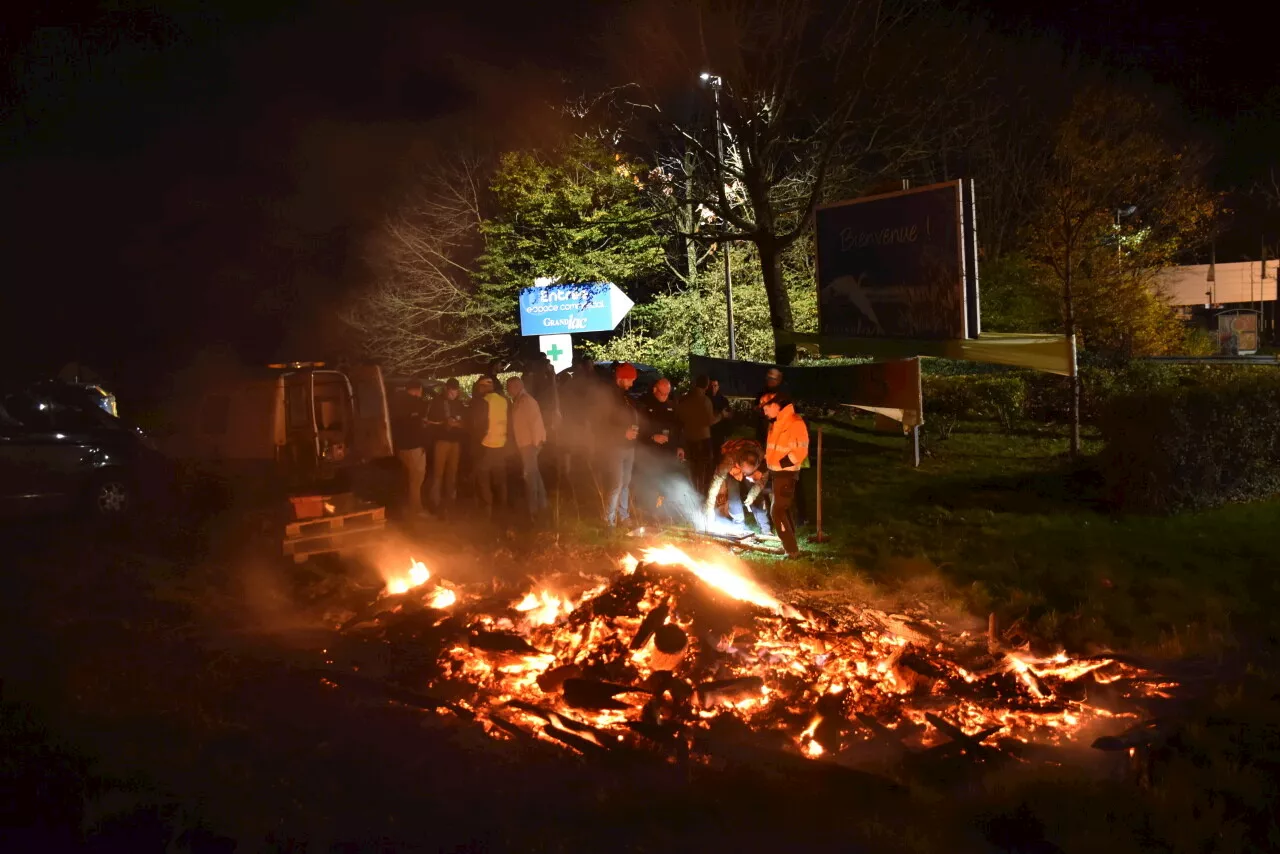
x: 201, y: 175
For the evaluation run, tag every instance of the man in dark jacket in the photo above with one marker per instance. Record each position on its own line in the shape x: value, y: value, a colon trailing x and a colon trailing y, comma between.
x: 445, y: 420
x: 697, y: 416
x: 409, y: 435
x: 618, y: 428
x: 661, y: 450
x: 721, y: 418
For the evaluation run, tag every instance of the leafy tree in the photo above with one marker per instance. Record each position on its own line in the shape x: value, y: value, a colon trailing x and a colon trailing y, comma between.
x: 450, y: 263
x: 578, y: 213
x: 1119, y: 202
x: 688, y: 320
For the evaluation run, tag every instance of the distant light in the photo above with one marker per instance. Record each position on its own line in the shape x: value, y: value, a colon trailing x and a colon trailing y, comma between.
x: 704, y: 76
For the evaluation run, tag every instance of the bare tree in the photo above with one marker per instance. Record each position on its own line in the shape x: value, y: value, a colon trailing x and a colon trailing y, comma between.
x: 422, y: 315
x: 814, y: 102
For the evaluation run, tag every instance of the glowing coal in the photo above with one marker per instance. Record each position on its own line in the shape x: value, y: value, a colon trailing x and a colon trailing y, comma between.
x: 671, y: 643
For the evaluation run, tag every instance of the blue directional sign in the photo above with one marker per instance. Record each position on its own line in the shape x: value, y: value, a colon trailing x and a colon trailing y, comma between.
x: 585, y: 307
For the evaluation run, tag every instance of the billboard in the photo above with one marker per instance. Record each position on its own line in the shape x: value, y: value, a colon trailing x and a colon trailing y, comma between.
x: 900, y: 265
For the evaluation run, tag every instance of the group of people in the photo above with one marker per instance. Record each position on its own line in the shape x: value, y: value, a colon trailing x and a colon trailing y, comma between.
x: 501, y: 426
x: 632, y: 459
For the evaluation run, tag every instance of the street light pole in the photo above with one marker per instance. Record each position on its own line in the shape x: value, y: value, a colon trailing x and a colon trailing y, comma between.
x: 715, y: 83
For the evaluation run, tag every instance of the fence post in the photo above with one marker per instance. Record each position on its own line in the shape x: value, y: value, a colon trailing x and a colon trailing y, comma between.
x: 819, y: 537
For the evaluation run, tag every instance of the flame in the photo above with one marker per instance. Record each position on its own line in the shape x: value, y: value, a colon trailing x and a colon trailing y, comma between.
x: 442, y: 598
x: 542, y: 608
x: 851, y: 673
x: 719, y: 576
x: 417, y: 575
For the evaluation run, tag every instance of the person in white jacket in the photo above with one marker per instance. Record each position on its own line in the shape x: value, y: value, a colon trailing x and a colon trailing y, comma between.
x: 530, y: 435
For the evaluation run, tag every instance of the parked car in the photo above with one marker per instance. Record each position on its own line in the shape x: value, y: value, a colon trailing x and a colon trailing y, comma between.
x: 60, y: 449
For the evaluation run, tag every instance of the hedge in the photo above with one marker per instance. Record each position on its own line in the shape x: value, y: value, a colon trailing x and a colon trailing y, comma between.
x: 1191, y: 446
x: 950, y: 399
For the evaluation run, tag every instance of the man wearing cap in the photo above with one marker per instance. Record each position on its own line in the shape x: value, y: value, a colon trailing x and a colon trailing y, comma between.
x: 786, y: 451
x: 489, y: 429
x: 661, y: 450
x: 619, y: 427
x: 409, y: 435
x: 444, y: 418
x: 772, y: 385
x: 530, y: 435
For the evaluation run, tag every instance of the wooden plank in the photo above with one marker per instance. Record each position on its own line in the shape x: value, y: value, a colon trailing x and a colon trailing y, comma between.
x: 314, y: 527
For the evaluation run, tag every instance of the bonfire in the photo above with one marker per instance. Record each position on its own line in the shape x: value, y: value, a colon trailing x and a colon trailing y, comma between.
x: 674, y: 651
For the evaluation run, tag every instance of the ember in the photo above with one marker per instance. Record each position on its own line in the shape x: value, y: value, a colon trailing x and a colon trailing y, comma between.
x: 674, y: 644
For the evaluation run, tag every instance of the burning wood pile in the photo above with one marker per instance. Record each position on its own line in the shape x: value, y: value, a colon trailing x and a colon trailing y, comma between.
x: 677, y: 655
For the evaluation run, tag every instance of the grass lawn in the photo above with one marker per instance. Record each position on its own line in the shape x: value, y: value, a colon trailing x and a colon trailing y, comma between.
x: 999, y: 522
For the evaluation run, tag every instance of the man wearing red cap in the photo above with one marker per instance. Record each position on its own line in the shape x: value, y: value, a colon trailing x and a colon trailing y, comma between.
x: 620, y: 425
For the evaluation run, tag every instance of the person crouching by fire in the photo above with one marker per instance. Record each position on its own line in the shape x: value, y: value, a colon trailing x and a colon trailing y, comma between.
x: 741, y: 461
x: 787, y: 449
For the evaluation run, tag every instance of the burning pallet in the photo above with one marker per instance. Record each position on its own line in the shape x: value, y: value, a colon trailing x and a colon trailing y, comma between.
x: 682, y: 657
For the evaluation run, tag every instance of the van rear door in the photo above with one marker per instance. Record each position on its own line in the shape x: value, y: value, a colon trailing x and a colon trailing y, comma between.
x: 372, y: 418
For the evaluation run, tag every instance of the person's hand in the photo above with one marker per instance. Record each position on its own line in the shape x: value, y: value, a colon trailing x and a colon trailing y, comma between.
x: 680, y: 454
x: 633, y: 432
x: 660, y: 439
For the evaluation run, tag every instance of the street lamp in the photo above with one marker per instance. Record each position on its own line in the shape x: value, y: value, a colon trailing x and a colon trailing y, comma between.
x: 714, y: 81
x: 1127, y: 210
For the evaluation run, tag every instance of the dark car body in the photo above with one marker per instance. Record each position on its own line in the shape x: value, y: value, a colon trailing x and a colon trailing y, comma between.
x: 59, y: 449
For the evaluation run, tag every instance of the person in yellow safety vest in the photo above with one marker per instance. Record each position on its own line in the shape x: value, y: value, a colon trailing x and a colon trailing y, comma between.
x: 489, y: 424
x: 786, y: 451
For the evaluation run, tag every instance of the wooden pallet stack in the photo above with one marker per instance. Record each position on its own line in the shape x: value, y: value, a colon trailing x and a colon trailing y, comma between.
x: 341, y: 526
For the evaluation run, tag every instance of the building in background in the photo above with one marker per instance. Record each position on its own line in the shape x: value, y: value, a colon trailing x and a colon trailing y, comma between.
x: 1236, y: 299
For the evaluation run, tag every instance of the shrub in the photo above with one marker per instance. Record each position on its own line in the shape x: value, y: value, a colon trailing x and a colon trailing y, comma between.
x: 1190, y: 446
x: 1003, y: 398
x: 947, y: 399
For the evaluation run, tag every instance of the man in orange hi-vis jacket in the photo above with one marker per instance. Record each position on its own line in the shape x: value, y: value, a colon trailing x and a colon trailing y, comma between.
x: 787, y: 449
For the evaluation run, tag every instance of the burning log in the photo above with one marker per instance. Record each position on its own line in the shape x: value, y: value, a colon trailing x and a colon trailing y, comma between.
x: 593, y: 695
x: 508, y: 642
x: 729, y: 691
x: 382, y: 691
x: 669, y: 644
x: 552, y: 682
x: 961, y: 740
x: 652, y: 622
x: 912, y: 673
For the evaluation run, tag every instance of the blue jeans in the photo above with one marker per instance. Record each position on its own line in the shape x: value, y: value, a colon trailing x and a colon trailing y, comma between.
x: 759, y: 510
x: 619, y: 464
x: 534, y: 489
